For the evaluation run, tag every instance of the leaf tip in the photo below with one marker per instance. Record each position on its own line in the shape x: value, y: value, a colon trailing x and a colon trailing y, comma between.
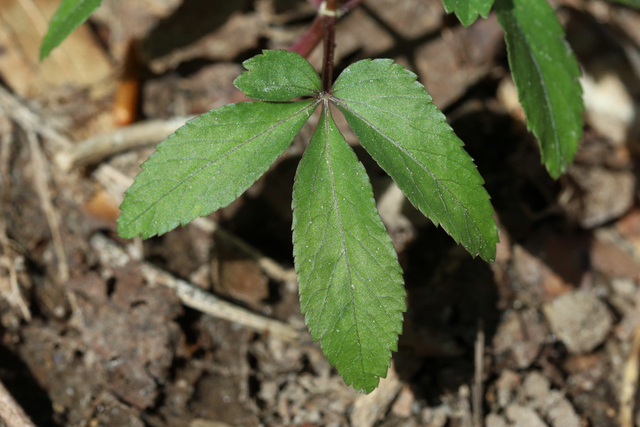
x: 44, y: 52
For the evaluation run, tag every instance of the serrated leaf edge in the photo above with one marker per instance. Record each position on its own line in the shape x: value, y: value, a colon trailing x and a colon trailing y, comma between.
x: 389, y: 62
x: 562, y: 162
x: 338, y: 363
x: 176, y: 134
x: 250, y: 64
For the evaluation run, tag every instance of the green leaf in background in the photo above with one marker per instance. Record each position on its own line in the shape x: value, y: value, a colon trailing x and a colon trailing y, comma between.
x: 69, y: 15
x: 208, y: 163
x: 398, y: 124
x: 546, y: 74
x: 351, y: 287
x: 468, y: 11
x: 278, y: 75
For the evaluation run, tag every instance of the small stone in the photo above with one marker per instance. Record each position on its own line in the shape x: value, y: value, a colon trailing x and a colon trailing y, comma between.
x: 609, y: 194
x: 522, y: 333
x: 562, y: 413
x: 404, y: 402
x: 536, y: 388
x: 495, y: 420
x: 506, y: 385
x: 580, y: 320
x: 435, y: 417
x: 523, y: 416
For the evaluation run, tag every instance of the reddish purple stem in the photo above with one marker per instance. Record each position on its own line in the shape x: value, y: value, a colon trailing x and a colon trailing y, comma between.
x: 309, y: 39
x: 313, y: 34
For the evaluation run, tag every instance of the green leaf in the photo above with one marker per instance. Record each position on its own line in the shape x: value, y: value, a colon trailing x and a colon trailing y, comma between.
x: 69, y: 15
x: 351, y: 288
x: 278, y: 75
x: 398, y: 124
x: 546, y: 74
x: 467, y: 11
x: 208, y: 163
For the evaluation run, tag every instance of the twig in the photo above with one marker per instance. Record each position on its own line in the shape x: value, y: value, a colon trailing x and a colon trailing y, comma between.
x: 39, y: 167
x: 8, y: 257
x: 11, y: 414
x: 268, y: 265
x: 370, y: 408
x: 40, y: 182
x: 478, y: 376
x: 194, y: 297
x: 93, y: 150
x: 29, y: 120
x: 630, y: 382
x: 116, y: 183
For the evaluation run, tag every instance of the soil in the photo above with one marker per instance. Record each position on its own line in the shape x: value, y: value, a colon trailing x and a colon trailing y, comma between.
x: 542, y: 337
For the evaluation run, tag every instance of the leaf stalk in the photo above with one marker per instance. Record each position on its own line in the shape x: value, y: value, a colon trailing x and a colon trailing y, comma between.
x: 328, y: 12
x: 305, y: 44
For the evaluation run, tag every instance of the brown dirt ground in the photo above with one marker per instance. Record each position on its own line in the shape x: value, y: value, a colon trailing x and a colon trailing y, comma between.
x: 90, y: 339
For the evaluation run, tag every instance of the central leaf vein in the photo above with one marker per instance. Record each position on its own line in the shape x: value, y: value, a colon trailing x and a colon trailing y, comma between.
x: 417, y: 185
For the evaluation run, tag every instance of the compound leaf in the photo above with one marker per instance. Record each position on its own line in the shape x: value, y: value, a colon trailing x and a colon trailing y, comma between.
x: 546, y: 74
x: 468, y: 11
x: 351, y: 287
x: 69, y: 15
x: 278, y: 75
x: 208, y: 163
x: 398, y: 124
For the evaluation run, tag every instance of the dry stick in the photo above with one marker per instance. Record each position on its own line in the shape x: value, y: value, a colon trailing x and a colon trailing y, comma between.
x: 192, y: 296
x: 7, y: 262
x: 370, y: 408
x: 7, y: 259
x: 40, y: 182
x: 11, y: 414
x: 29, y: 120
x: 478, y: 376
x: 95, y: 149
x: 39, y: 167
x: 116, y: 183
x: 630, y: 382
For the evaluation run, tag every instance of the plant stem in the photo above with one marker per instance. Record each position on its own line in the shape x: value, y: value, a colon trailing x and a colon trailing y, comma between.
x: 305, y: 44
x: 328, y: 14
x: 309, y: 39
x: 348, y: 6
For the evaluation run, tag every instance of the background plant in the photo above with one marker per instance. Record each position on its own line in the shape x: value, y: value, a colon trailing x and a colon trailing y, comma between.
x: 396, y: 122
